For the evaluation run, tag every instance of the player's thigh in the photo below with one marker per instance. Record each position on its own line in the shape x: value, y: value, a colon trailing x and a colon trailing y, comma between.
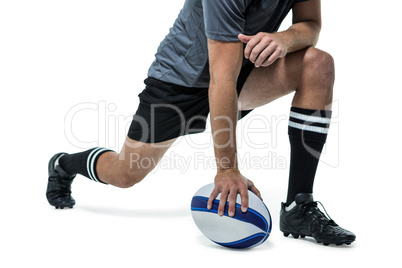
x: 266, y: 84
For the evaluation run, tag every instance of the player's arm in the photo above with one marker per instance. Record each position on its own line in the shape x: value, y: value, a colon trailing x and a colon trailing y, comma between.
x: 265, y: 48
x: 225, y: 59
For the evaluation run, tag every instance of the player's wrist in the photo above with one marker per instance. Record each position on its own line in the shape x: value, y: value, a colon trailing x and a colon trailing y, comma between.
x: 226, y: 162
x: 224, y: 170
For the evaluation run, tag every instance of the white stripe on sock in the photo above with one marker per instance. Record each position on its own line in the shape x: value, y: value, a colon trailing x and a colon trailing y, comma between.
x: 310, y: 118
x: 309, y: 128
x: 93, y: 163
x: 89, y: 164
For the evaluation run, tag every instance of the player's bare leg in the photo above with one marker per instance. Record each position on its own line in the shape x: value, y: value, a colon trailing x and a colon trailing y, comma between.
x: 132, y: 164
x: 310, y: 73
x: 123, y: 169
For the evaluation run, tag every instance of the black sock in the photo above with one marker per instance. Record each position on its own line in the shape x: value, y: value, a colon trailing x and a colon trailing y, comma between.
x: 307, y: 134
x: 83, y: 163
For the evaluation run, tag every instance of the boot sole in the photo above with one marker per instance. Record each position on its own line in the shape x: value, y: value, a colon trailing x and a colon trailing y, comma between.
x: 296, y: 236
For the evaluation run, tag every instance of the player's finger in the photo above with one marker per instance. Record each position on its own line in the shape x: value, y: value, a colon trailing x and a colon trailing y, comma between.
x: 254, y: 189
x: 245, y: 38
x: 212, y: 197
x: 232, y: 202
x: 222, y: 202
x: 256, y: 52
x: 244, y: 199
x: 250, y: 45
x: 271, y: 59
x: 265, y: 55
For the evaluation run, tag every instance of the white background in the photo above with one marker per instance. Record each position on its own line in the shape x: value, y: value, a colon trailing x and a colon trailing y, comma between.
x: 55, y: 55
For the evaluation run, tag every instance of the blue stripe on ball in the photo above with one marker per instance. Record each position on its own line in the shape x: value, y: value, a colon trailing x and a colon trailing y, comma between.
x: 245, y: 242
x: 199, y: 203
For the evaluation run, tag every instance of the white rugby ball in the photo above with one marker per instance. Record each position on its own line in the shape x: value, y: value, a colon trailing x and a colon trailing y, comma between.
x: 244, y: 230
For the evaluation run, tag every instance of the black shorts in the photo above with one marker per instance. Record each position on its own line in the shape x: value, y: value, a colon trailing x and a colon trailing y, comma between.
x: 167, y: 111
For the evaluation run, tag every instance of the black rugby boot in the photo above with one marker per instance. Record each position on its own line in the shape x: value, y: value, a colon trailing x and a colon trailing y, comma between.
x: 305, y: 219
x: 58, y: 191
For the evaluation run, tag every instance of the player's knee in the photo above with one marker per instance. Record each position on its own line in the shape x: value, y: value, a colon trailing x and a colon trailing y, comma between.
x: 320, y: 71
x: 130, y: 177
x: 320, y: 62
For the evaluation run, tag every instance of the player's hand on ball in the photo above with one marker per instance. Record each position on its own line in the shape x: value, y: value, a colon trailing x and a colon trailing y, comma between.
x: 230, y: 183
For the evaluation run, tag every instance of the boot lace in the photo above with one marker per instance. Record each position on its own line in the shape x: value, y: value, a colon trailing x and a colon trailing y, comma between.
x: 313, y: 207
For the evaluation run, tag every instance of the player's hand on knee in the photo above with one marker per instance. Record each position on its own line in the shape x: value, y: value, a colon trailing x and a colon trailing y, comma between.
x: 229, y: 183
x: 263, y: 49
